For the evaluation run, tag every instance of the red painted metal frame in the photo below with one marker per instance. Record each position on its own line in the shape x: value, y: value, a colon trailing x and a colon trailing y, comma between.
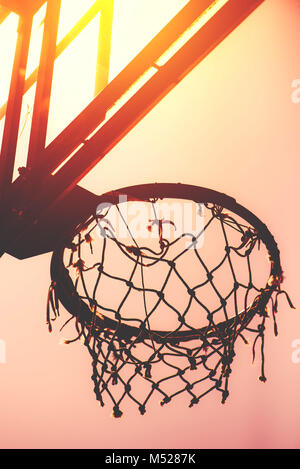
x: 60, y: 190
x: 44, y: 83
x: 13, y: 113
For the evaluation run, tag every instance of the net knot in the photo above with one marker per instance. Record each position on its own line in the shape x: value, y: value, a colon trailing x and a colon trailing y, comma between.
x: 71, y: 245
x: 191, y: 292
x: 194, y: 401
x: 225, y: 394
x: 92, y: 303
x: 160, y: 295
x: 193, y: 364
x: 181, y: 319
x: 219, y: 383
x: 117, y: 413
x: 142, y: 409
x: 189, y: 386
x: 210, y: 317
x: 261, y: 329
x: 227, y: 360
x: 210, y: 276
x: 114, y: 378
x: 127, y: 352
x: 127, y: 388
x: 165, y: 400
x: 98, y: 396
x: 79, y: 265
x: 148, y: 371
x: 134, y: 250
x: 88, y: 238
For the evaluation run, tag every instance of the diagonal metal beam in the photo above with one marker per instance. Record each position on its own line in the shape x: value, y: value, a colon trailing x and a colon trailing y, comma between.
x: 89, y: 119
x: 14, y: 106
x: 195, y: 50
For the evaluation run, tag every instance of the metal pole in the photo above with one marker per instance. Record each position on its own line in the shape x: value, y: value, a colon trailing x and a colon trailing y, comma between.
x: 14, y: 105
x: 44, y: 83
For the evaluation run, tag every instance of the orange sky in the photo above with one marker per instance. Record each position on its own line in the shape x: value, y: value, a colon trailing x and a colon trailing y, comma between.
x: 231, y: 125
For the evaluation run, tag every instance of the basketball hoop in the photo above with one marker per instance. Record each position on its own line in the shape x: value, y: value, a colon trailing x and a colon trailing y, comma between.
x: 162, y: 319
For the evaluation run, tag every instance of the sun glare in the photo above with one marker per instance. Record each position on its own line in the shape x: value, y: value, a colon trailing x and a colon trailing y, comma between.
x: 135, y: 23
x: 8, y: 36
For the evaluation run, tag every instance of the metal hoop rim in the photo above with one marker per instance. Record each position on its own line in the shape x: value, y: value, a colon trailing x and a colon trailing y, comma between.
x: 77, y: 307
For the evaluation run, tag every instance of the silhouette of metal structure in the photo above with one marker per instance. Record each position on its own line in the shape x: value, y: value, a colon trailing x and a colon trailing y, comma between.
x: 31, y: 225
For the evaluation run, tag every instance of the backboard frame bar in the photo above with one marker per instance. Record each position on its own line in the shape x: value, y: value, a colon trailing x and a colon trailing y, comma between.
x: 44, y: 83
x: 14, y: 105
